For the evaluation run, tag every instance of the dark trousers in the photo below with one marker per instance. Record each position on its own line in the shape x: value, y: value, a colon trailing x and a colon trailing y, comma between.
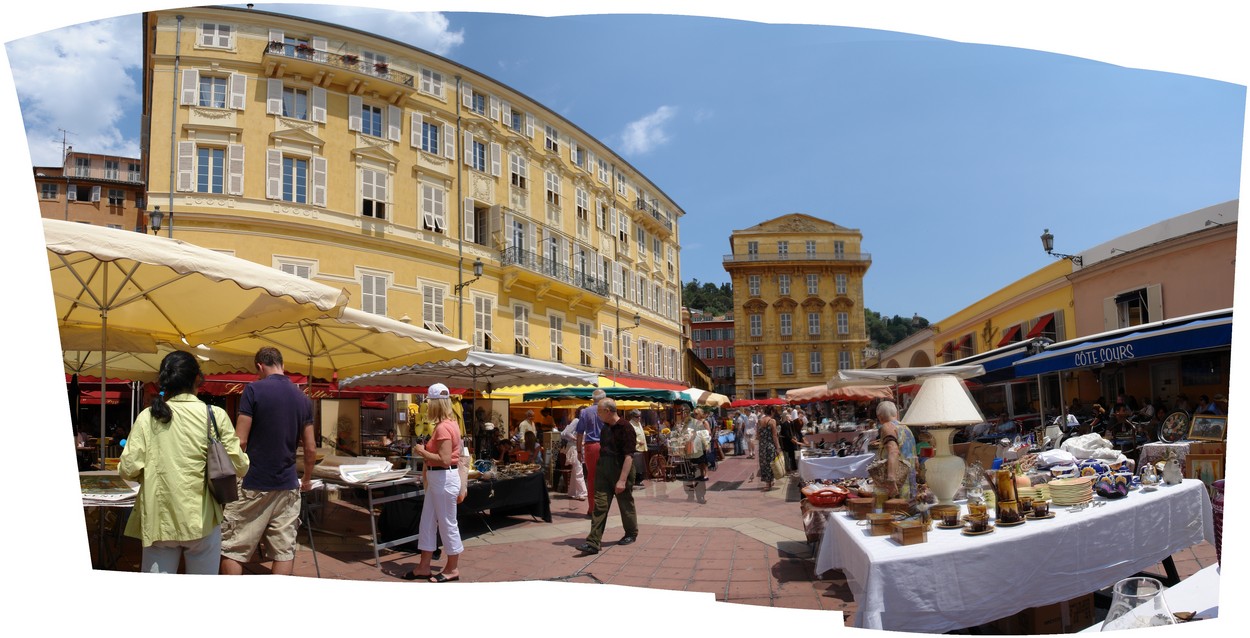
x: 606, y: 476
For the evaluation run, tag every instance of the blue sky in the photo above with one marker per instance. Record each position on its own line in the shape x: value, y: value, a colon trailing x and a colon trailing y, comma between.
x: 949, y: 157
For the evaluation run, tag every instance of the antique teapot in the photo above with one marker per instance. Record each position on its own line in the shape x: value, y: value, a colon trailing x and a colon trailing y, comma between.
x: 1149, y: 477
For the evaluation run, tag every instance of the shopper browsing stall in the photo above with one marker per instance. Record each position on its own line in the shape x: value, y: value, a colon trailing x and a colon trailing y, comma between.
x: 442, y: 489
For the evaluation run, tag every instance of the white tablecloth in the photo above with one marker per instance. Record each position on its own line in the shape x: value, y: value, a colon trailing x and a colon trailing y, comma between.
x: 955, y: 581
x: 834, y: 467
x: 1199, y: 593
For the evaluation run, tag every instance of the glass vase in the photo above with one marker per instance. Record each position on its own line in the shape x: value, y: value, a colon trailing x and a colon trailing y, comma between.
x: 1137, y: 602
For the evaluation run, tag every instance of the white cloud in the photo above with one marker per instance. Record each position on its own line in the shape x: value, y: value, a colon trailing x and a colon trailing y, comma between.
x: 81, y: 79
x: 643, y: 135
x: 429, y: 31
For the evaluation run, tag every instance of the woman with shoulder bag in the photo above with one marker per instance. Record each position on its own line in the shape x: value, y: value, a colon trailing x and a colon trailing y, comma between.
x: 175, y: 514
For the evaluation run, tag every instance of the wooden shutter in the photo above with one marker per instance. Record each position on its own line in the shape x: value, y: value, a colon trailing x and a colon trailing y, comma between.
x: 417, y: 128
x: 449, y: 142
x: 394, y: 123
x: 507, y: 114
x: 427, y: 206
x: 466, y: 95
x: 238, y: 91
x: 319, y: 104
x: 468, y: 148
x: 353, y: 116
x: 234, y: 169
x: 95, y: 193
x: 71, y: 192
x: 494, y: 108
x: 273, y: 174
x: 186, y: 166
x: 1154, y: 302
x: 319, y: 166
x: 496, y: 159
x: 276, y: 35
x: 469, y: 219
x: 273, y: 99
x: 319, y: 48
x: 190, y: 86
x: 529, y: 126
x: 507, y: 232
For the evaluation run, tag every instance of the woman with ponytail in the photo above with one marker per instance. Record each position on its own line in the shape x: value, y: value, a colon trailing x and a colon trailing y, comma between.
x: 175, y: 514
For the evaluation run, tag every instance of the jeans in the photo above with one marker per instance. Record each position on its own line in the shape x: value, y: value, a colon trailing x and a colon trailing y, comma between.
x: 203, y: 555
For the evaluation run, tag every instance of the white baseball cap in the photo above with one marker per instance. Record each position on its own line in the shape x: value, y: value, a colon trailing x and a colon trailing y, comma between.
x: 438, y: 391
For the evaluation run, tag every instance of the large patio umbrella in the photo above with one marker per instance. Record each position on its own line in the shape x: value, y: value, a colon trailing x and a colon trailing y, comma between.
x: 144, y: 366
x: 353, y: 342
x: 492, y: 368
x: 845, y: 393
x: 105, y: 278
x: 699, y: 396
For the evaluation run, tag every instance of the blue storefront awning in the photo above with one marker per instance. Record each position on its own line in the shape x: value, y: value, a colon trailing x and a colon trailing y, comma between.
x: 998, y: 362
x: 1121, y: 346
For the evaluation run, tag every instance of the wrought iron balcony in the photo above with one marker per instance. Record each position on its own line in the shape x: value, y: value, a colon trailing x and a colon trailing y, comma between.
x: 650, y: 207
x: 535, y: 262
x: 348, y: 61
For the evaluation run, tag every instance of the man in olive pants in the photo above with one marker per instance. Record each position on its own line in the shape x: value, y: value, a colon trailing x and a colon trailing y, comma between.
x: 613, y: 478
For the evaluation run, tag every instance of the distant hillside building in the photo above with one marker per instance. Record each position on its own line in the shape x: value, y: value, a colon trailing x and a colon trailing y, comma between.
x: 712, y: 339
x: 798, y: 285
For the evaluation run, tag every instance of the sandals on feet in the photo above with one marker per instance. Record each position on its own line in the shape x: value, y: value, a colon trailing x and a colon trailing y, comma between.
x: 443, y: 578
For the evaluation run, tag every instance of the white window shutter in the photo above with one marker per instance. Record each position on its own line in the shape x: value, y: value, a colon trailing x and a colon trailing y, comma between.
x: 319, y: 104
x: 573, y: 152
x: 468, y: 219
x: 529, y: 126
x: 466, y: 95
x: 507, y: 224
x: 496, y: 159
x: 468, y: 148
x: 612, y: 221
x: 190, y: 86
x: 273, y: 99
x: 427, y: 206
x: 354, y: 122
x: 238, y: 91
x: 1110, y: 314
x: 394, y: 120
x: 71, y: 192
x: 533, y: 235
x: 95, y: 193
x: 273, y: 173
x: 276, y: 35
x: 234, y: 169
x: 319, y: 166
x: 1154, y: 302
x: 319, y: 46
x: 186, y: 166
x: 416, y: 124
x: 507, y: 114
x: 449, y: 141
x: 494, y: 108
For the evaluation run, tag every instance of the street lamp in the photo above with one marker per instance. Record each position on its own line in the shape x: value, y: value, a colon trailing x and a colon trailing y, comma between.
x: 1048, y: 244
x: 754, y: 368
x: 154, y: 219
x: 477, y: 274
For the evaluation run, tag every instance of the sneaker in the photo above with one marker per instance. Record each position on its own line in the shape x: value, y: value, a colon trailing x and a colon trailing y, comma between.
x: 585, y: 548
x: 628, y: 539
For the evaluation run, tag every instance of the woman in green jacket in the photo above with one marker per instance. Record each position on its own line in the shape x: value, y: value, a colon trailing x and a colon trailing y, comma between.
x: 175, y: 514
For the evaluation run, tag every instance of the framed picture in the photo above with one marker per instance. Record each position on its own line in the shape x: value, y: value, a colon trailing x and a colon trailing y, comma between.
x: 1208, y: 427
x: 1207, y: 468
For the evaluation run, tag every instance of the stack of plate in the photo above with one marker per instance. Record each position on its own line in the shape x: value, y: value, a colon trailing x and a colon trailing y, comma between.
x: 1072, y: 491
x: 1039, y: 492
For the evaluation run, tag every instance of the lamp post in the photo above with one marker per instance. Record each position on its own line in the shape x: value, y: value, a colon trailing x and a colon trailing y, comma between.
x: 154, y: 219
x: 619, y: 354
x: 753, y: 373
x: 1048, y: 244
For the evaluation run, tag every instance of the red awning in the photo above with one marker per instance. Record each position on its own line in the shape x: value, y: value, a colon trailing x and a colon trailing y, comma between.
x: 1010, y: 337
x: 964, y: 342
x: 1042, y: 323
x: 946, y: 349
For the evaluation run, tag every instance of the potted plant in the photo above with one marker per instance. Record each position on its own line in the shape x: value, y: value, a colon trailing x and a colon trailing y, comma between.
x: 303, y: 49
x: 381, y: 67
x: 276, y: 45
x: 350, y: 59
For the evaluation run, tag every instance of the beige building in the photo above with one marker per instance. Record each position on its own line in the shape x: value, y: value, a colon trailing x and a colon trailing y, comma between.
x: 365, y: 163
x: 798, y: 303
x: 102, y: 190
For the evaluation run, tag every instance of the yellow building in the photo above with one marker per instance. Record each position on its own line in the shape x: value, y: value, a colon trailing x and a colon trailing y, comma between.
x: 365, y: 163
x: 798, y: 285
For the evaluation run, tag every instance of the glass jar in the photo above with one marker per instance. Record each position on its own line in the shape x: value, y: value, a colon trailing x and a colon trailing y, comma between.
x: 1137, y: 602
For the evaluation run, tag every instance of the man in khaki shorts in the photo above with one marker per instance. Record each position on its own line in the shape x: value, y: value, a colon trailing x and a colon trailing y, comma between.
x: 274, y: 417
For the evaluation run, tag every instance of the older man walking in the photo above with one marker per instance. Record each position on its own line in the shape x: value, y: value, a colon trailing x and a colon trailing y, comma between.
x: 614, y: 478
x: 588, y: 429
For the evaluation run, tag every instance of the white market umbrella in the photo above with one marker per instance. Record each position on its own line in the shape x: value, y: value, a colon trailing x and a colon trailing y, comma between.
x: 106, y: 278
x: 352, y: 343
x: 145, y: 366
x: 493, y: 368
x: 875, y: 376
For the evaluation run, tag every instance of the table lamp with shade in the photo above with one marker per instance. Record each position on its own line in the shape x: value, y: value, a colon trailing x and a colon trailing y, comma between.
x: 942, y: 406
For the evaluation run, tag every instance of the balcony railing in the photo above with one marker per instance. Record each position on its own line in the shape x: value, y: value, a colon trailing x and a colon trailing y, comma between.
x: 535, y: 262
x: 347, y: 61
x: 760, y: 257
x: 112, y: 175
x: 650, y: 207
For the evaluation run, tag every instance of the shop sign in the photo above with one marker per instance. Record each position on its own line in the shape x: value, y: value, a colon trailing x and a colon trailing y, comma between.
x: 1100, y: 356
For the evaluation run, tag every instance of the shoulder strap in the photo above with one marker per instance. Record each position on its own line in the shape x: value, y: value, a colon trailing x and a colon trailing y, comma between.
x: 213, y: 433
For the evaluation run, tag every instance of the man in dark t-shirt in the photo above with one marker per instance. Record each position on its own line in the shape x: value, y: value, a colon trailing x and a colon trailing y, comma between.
x: 615, y: 477
x: 274, y: 418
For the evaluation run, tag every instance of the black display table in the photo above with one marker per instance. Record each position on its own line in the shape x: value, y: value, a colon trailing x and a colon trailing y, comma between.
x: 521, y: 495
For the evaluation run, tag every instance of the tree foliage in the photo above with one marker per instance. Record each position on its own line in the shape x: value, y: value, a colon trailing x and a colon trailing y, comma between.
x: 708, y: 297
x: 884, y: 332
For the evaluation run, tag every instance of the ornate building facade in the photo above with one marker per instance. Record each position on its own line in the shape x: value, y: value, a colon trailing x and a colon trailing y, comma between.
x: 431, y: 192
x: 798, y: 303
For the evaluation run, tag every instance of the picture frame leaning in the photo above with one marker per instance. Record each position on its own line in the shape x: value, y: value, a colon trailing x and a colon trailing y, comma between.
x: 1207, y: 468
x: 1208, y: 427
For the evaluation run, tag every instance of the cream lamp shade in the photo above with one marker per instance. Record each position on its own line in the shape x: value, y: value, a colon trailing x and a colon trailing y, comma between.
x: 942, y: 401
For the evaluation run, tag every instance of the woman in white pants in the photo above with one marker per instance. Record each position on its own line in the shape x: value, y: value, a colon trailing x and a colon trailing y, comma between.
x: 442, y: 490
x: 577, y: 479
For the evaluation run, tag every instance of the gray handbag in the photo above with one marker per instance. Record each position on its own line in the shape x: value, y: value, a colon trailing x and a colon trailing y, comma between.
x: 219, y: 469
